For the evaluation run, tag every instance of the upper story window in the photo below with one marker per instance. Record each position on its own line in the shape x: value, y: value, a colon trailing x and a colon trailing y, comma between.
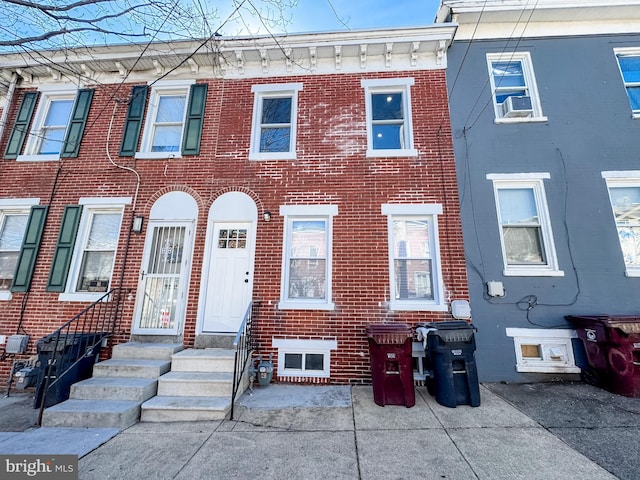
x: 273, y: 134
x: 513, y: 87
x: 306, y: 273
x: 414, y: 257
x: 624, y: 193
x: 629, y: 63
x: 57, y: 125
x: 525, y: 229
x: 388, y: 110
x: 174, y: 120
x: 14, y: 214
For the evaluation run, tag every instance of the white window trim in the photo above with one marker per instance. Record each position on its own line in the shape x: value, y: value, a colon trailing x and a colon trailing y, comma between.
x: 15, y: 205
x: 630, y: 178
x: 627, y: 52
x: 320, y: 211
x: 162, y: 88
x: 530, y: 83
x: 47, y: 94
x: 390, y: 85
x: 536, y: 182
x: 273, y: 90
x: 545, y: 339
x: 430, y: 211
x: 304, y: 347
x: 94, y: 204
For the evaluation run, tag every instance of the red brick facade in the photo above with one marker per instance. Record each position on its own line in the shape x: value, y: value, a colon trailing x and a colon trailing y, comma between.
x: 331, y: 168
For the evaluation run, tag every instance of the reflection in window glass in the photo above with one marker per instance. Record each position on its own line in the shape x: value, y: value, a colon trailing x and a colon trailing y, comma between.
x: 387, y: 121
x: 275, y: 124
x: 167, y: 131
x: 12, y: 228
x: 412, y: 263
x: 99, y: 252
x: 307, y: 259
x: 54, y: 127
x: 521, y: 227
x: 626, y: 209
x: 630, y: 68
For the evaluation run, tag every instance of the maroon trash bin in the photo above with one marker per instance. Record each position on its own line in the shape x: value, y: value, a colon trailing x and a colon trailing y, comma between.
x: 390, y: 349
x: 612, y: 345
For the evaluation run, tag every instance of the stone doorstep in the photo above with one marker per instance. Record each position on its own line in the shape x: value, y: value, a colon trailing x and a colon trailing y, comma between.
x: 114, y: 388
x: 196, y: 384
x: 145, y: 351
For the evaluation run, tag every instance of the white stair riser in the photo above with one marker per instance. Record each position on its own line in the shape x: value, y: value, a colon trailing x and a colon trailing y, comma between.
x: 89, y: 419
x: 145, y: 352
x: 129, y: 371
x: 108, y: 392
x: 161, y: 415
x: 202, y: 364
x: 194, y: 389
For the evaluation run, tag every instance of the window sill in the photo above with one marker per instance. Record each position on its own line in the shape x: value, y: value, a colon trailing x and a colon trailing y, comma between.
x: 305, y: 306
x: 399, y: 305
x: 5, y: 296
x: 158, y: 155
x: 38, y: 158
x: 532, y: 272
x: 406, y: 152
x: 80, y: 297
x: 503, y: 121
x: 632, y: 272
x: 272, y: 156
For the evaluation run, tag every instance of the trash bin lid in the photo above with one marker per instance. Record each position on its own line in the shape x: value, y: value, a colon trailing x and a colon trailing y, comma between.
x: 387, y: 333
x: 626, y: 323
x: 452, y: 331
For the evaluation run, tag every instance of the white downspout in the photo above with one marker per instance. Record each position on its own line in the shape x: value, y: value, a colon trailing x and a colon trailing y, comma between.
x: 9, y: 97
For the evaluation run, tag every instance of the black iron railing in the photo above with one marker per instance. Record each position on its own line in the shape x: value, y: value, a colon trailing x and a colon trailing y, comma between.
x: 244, y: 345
x: 67, y: 355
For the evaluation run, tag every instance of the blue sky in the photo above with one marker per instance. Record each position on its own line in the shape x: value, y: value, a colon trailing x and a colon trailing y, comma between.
x: 319, y: 16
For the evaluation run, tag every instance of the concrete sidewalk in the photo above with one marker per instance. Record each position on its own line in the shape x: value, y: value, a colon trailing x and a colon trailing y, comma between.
x: 318, y: 432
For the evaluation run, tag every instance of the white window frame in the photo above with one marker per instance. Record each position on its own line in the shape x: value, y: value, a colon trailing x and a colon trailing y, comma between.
x: 304, y: 347
x: 614, y: 179
x: 47, y: 96
x: 306, y: 212
x: 270, y: 91
x: 628, y: 52
x: 534, y: 181
x: 15, y: 206
x: 159, y: 89
x: 430, y: 213
x: 90, y: 207
x: 390, y: 85
x: 555, y: 347
x: 531, y: 86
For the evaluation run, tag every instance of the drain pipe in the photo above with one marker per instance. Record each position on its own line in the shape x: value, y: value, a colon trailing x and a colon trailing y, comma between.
x: 5, y: 110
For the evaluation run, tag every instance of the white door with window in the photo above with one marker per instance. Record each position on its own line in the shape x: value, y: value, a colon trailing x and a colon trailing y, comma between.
x: 230, y: 280
x: 162, y: 290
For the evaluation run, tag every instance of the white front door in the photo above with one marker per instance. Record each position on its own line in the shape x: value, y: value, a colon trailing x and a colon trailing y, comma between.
x: 230, y: 279
x: 162, y: 290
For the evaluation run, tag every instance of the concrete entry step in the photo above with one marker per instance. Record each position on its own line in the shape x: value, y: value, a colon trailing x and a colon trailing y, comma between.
x: 203, y: 360
x: 89, y: 413
x: 132, y: 368
x: 195, y: 384
x: 145, y: 350
x: 185, y: 409
x: 115, y: 388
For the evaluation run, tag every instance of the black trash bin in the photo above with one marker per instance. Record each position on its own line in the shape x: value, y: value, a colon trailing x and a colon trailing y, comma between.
x: 612, y: 345
x: 390, y: 349
x: 450, y: 355
x: 71, y: 351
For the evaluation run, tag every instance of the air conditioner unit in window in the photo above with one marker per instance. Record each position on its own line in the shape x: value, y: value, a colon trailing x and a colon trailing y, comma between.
x: 517, y: 107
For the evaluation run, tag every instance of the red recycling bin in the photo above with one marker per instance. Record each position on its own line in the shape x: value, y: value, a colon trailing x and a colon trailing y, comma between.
x: 390, y: 349
x: 612, y: 345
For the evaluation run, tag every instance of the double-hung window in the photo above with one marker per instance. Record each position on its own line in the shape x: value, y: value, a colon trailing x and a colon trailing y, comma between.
x: 14, y: 214
x: 273, y: 135
x: 624, y: 193
x: 388, y: 110
x: 306, y: 272
x: 414, y: 257
x: 525, y: 229
x: 83, y: 264
x: 57, y: 125
x: 629, y: 63
x: 513, y: 87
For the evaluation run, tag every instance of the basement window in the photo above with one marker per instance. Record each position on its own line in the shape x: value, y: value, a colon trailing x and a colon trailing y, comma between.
x: 304, y: 358
x: 544, y: 350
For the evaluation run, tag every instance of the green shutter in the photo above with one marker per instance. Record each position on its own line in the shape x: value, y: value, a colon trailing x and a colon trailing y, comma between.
x: 133, y: 124
x: 78, y: 120
x: 29, y: 251
x: 195, y: 116
x: 64, y: 248
x: 21, y: 127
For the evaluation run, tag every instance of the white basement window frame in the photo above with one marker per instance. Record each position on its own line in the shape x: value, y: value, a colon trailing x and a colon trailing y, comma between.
x: 303, y: 350
x: 544, y: 350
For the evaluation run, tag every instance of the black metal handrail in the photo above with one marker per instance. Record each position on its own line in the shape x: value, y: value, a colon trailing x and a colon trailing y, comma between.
x: 76, y: 340
x: 244, y: 346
